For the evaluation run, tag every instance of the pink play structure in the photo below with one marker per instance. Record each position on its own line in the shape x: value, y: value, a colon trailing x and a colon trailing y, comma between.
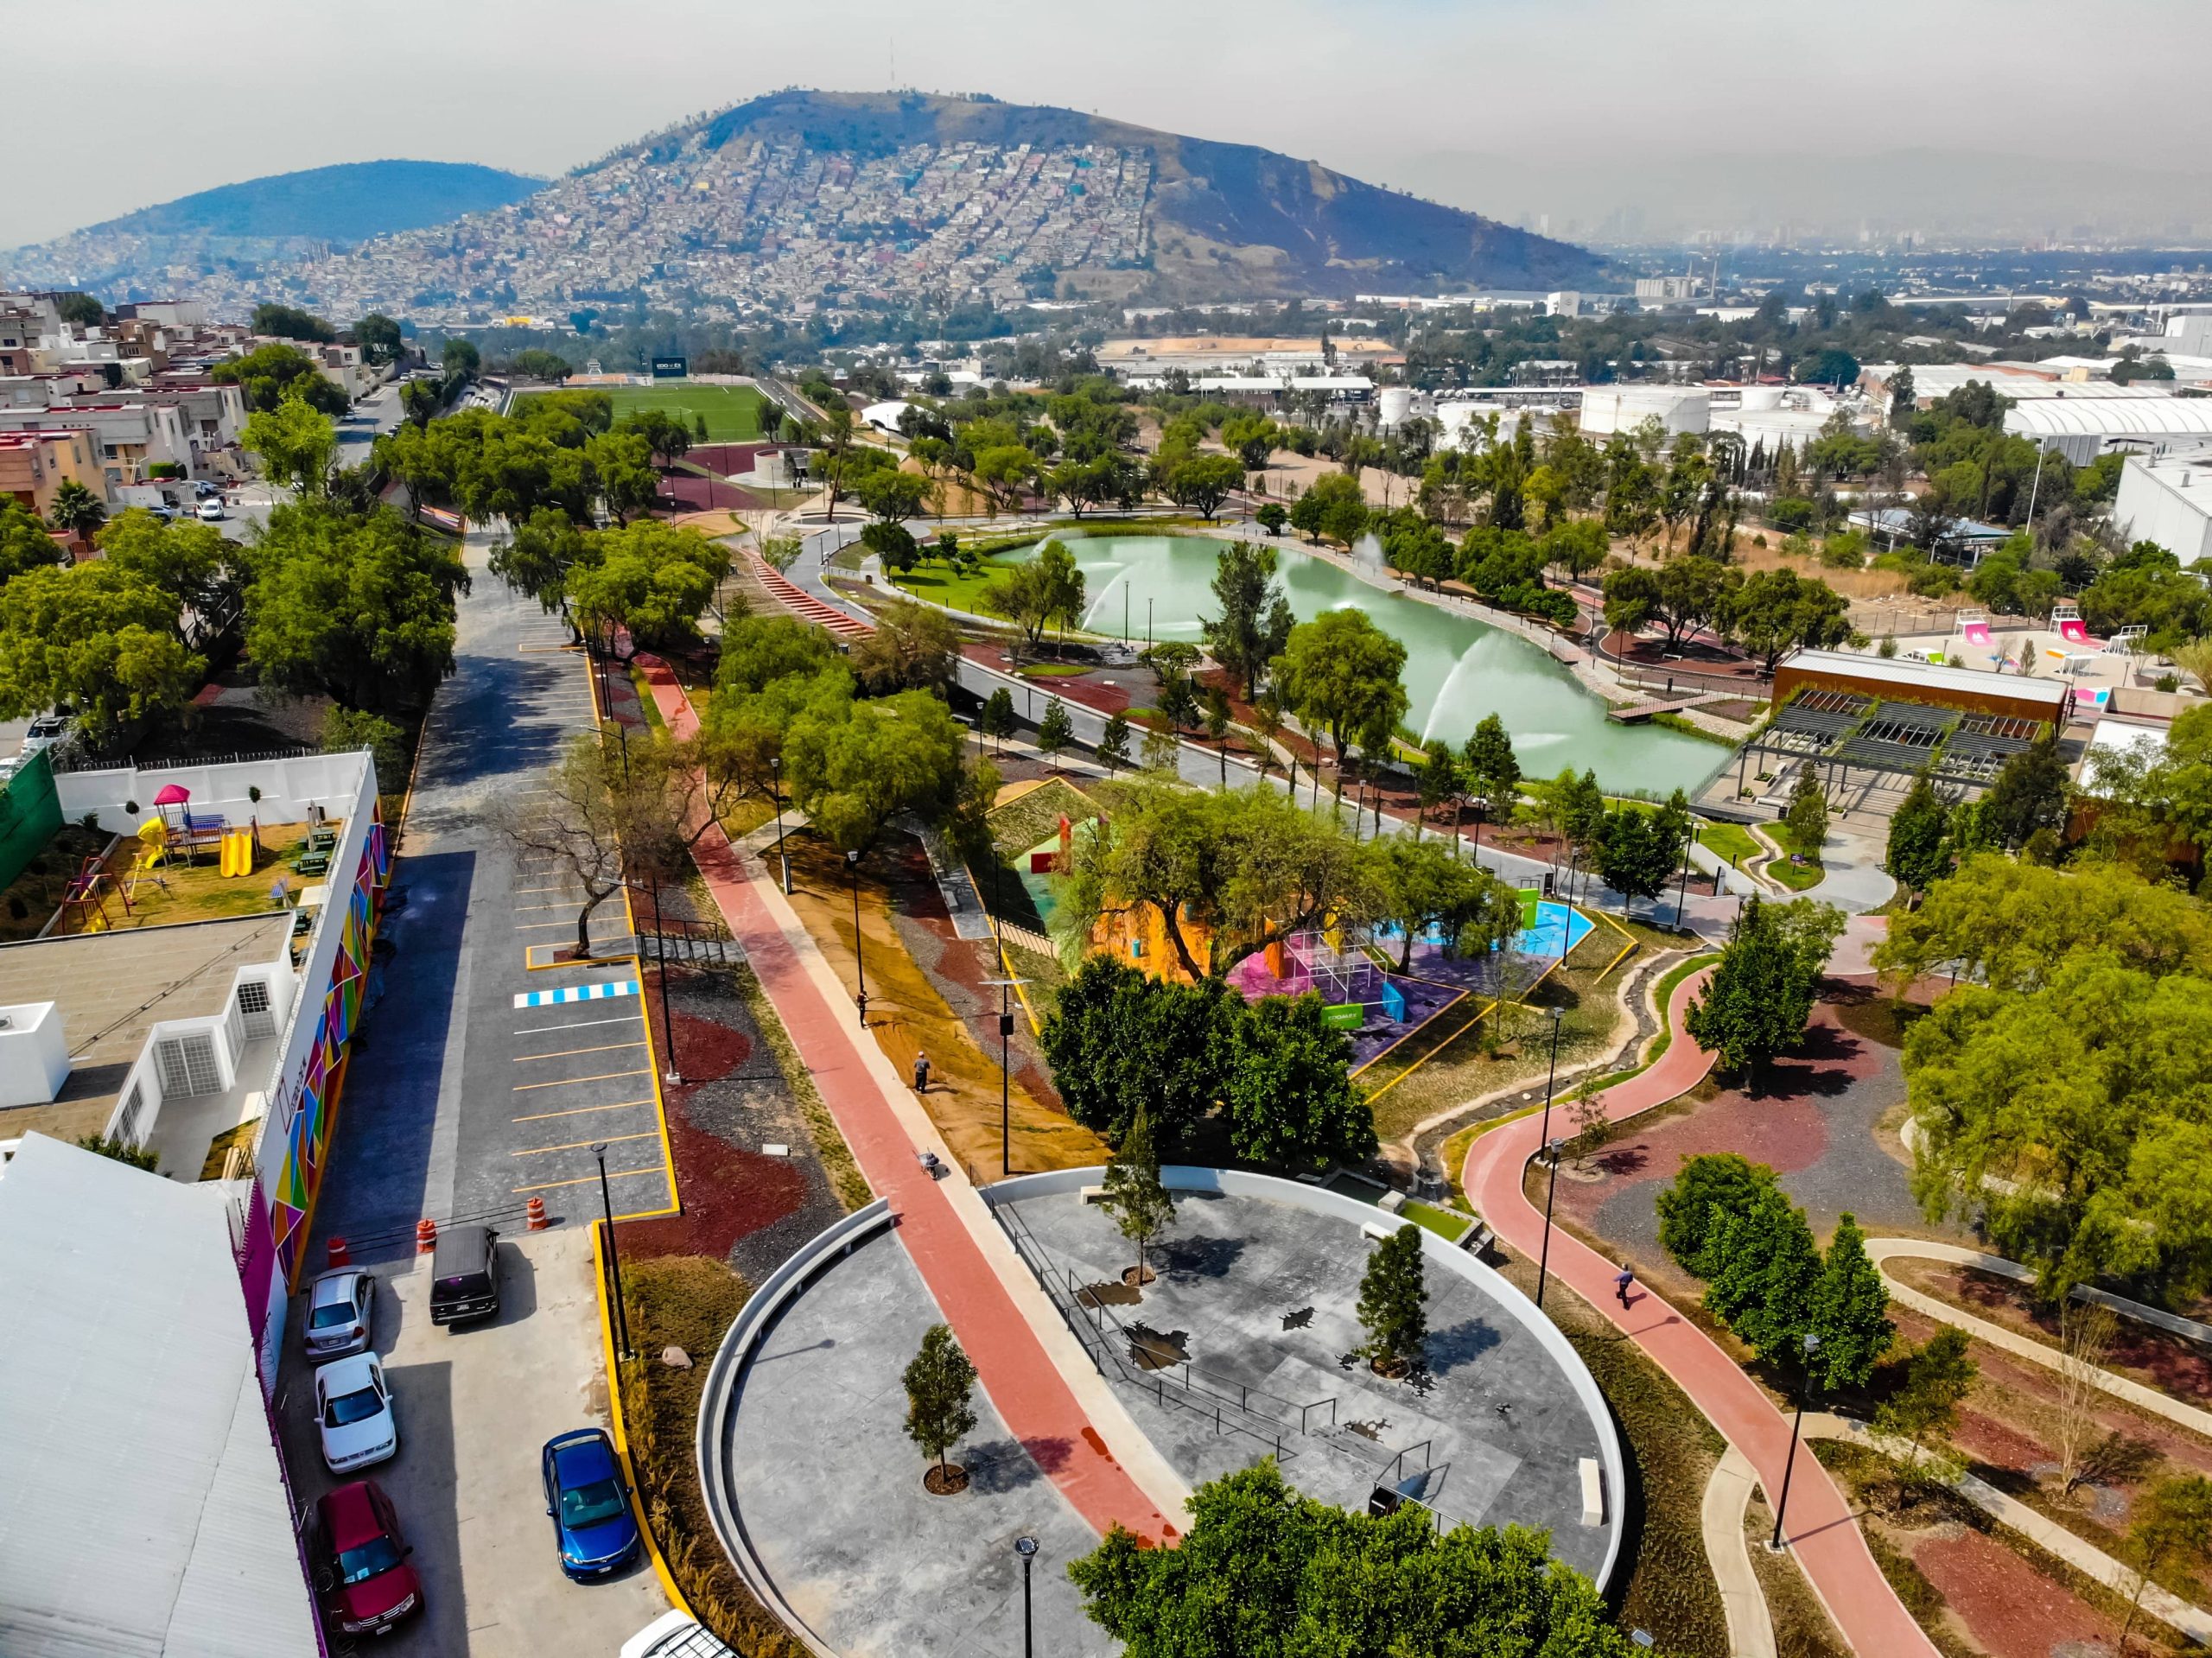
x: 2066, y: 621
x: 1974, y: 627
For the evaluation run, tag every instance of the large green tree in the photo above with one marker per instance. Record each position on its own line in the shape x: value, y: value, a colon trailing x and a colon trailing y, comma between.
x: 1287, y: 1086
x: 1255, y: 620
x: 24, y: 542
x: 1767, y: 1269
x: 1393, y: 1304
x: 296, y: 442
x: 1774, y: 613
x: 1709, y: 1190
x: 1345, y: 677
x: 98, y: 637
x: 1760, y: 997
x: 267, y: 373
x: 1038, y: 592
x: 1263, y: 1571
x: 852, y: 775
x: 1422, y: 884
x: 1849, y: 1311
x: 1918, y: 856
x: 1119, y: 1040
x: 652, y: 579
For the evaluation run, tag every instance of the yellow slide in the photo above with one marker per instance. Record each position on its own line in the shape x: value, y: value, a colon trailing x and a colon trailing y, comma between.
x: 238, y: 852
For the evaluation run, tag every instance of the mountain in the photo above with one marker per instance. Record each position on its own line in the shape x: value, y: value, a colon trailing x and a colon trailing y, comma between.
x: 237, y: 228
x: 804, y: 199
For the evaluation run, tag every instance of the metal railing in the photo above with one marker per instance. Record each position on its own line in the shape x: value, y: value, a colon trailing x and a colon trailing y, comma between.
x: 73, y: 759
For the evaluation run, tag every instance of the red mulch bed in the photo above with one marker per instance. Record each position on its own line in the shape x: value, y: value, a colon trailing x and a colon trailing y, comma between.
x: 2012, y: 1609
x: 2179, y: 1367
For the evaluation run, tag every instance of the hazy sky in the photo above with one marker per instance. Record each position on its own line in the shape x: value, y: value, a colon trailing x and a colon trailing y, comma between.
x: 174, y: 99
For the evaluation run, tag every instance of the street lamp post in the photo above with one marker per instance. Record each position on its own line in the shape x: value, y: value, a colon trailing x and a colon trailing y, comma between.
x: 860, y: 960
x: 1553, y: 1149
x: 613, y: 1256
x: 1006, y: 1070
x: 660, y: 962
x: 776, y: 788
x: 1558, y: 1014
x: 1026, y: 1547
x: 1804, y: 1387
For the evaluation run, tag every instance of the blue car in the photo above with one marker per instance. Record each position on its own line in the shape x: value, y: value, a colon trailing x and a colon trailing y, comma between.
x: 590, y: 1505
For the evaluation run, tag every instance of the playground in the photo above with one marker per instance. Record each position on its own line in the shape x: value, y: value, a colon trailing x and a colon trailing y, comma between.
x: 183, y: 865
x: 2056, y: 646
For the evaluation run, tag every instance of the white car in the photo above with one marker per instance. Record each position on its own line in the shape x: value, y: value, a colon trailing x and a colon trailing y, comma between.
x: 674, y: 1635
x: 353, y: 1412
x: 45, y: 731
x: 210, y: 509
x: 341, y: 1315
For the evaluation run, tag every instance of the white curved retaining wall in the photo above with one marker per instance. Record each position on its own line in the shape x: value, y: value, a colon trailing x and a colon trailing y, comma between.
x: 1238, y: 1183
x: 775, y: 1293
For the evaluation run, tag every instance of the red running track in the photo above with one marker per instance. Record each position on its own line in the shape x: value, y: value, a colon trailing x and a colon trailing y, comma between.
x: 1035, y: 1399
x: 1821, y: 1530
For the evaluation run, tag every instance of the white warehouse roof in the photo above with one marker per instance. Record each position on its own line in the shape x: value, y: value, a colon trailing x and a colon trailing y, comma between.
x: 145, y: 1512
x: 2082, y: 428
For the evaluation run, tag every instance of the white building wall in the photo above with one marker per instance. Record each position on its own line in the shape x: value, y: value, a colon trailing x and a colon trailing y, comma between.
x: 2170, y: 505
x: 290, y: 789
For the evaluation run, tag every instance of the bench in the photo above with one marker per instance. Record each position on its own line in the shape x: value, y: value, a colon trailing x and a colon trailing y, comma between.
x: 312, y: 863
x: 1593, y: 1492
x: 1391, y: 1201
x: 1376, y: 1230
x: 1094, y: 1194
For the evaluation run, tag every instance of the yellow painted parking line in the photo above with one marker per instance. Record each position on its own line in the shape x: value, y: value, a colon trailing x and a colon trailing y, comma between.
x: 579, y: 1111
x: 584, y: 1145
x: 566, y: 1053
x: 593, y: 1180
x: 567, y: 1082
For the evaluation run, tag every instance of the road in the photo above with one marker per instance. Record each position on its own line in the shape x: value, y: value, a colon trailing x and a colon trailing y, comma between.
x: 461, y: 1105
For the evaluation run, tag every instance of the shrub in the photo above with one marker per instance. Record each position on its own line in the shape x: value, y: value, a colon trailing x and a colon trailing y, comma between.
x: 345, y: 730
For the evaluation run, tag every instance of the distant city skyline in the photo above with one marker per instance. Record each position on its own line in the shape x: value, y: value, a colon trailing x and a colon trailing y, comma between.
x: 1689, y: 115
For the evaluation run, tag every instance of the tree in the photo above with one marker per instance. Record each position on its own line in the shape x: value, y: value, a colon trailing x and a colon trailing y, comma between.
x: 1006, y: 471
x: 575, y: 822
x: 24, y: 542
x: 2172, y: 1530
x: 79, y: 310
x: 1344, y: 675
x: 1118, y: 1040
x: 461, y: 359
x: 914, y: 647
x: 1850, y: 1311
x: 1287, y: 1086
x: 1776, y: 611
x: 893, y: 543
x: 288, y: 322
x: 1493, y: 771
x: 1708, y: 1191
x: 1114, y: 745
x: 1393, y: 1303
x: 758, y: 650
x: 1205, y: 481
x: 996, y: 720
x: 535, y: 364
x: 1917, y: 856
x: 535, y: 556
x: 649, y: 579
x: 1055, y: 731
x: 1266, y: 1572
x: 940, y: 1387
x: 77, y: 510
x: 1637, y: 852
x: 891, y: 496
x: 1038, y: 592
x: 1682, y: 595
x: 2085, y: 1329
x: 122, y: 1150
x: 344, y: 730
x: 1807, y: 816
x: 1939, y: 1375
x: 1334, y: 507
x: 1218, y: 723
x: 852, y: 769
x: 98, y: 637
x: 1760, y: 997
x: 2030, y: 794
x: 381, y: 341
x: 621, y: 467
x: 296, y: 442
x: 265, y: 374
x: 667, y: 436
x: 1437, y: 779
x: 1271, y: 516
x: 1134, y: 1196
x: 1255, y: 619
x: 1769, y: 1269
x: 1421, y: 885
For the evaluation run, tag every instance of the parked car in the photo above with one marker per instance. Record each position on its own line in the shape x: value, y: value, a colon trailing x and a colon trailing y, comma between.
x: 361, y: 1559
x: 206, y: 487
x: 45, y: 732
x: 210, y: 509
x: 674, y: 1635
x: 341, y: 1315
x: 588, y: 1504
x: 353, y: 1413
x: 464, y: 1275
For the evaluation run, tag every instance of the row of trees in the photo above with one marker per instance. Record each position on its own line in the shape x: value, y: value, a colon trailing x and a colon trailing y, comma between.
x: 1766, y: 613
x: 1727, y: 1221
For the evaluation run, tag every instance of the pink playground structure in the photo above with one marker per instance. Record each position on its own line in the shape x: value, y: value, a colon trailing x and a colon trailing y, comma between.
x: 2066, y: 622
x: 1974, y: 627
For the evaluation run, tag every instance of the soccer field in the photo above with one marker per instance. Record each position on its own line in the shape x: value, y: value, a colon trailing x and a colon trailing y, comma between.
x: 733, y: 412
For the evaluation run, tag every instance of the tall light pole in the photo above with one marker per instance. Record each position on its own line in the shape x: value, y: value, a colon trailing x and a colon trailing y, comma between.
x: 776, y: 788
x: 1558, y: 1015
x: 1006, y: 1069
x: 1804, y: 1387
x: 613, y: 1257
x: 1553, y: 1148
x: 1026, y: 1547
x: 660, y: 955
x: 860, y: 960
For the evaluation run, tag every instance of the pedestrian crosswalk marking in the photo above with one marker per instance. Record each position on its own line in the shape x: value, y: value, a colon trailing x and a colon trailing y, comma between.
x: 577, y: 992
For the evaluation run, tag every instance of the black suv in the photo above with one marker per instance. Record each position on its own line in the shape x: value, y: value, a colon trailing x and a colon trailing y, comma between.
x: 464, y: 1275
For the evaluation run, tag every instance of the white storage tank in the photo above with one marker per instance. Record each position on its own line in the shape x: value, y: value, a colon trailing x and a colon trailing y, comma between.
x: 1761, y: 396
x: 1607, y: 410
x: 1394, y: 406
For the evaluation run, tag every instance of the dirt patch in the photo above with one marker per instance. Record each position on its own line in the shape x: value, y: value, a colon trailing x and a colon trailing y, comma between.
x: 1158, y: 1349
x: 1122, y: 1294
x: 948, y: 1481
x: 2008, y: 1608
x: 1137, y: 1277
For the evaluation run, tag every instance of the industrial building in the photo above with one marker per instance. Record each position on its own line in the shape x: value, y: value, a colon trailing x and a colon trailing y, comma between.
x: 1609, y: 409
x: 2168, y: 498
x: 2082, y: 428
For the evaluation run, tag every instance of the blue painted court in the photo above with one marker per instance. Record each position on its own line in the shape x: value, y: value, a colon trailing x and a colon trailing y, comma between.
x: 1560, y: 928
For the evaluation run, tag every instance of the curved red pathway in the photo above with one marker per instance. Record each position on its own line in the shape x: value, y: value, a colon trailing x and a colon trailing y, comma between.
x: 1029, y: 1392
x: 1821, y: 1530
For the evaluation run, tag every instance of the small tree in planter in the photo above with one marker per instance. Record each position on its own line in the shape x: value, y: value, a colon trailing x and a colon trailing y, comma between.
x: 1807, y: 819
x: 1593, y: 1128
x: 1139, y: 1202
x: 1055, y: 731
x: 939, y: 1384
x: 1393, y: 1303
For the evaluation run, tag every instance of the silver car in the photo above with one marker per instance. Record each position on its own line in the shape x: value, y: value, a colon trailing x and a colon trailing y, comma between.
x: 340, y: 1316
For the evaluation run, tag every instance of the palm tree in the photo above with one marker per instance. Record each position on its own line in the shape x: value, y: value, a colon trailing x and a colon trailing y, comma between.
x: 77, y: 510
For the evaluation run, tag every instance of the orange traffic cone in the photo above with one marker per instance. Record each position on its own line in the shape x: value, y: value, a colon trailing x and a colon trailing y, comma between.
x: 426, y: 1235
x: 340, y: 1255
x: 536, y: 1209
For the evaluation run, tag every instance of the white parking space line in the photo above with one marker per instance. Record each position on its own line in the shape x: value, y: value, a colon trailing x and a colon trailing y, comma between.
x: 578, y: 1025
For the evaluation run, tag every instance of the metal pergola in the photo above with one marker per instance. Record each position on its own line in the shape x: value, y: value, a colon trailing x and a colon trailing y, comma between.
x: 1839, y: 732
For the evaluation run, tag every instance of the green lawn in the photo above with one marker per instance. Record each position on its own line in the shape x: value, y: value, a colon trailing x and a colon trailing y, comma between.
x: 1731, y: 842
x: 733, y: 412
x: 1797, y: 876
x: 938, y: 582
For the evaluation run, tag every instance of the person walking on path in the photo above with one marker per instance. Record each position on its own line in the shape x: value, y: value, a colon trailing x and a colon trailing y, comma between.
x: 922, y: 1072
x: 1622, y: 1279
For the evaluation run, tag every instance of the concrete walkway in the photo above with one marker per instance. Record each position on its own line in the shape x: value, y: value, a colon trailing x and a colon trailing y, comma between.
x: 1036, y: 1373
x: 1855, y: 882
x: 2027, y: 1347
x: 2044, y: 1532
x: 1728, y: 1496
x: 1833, y: 1555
